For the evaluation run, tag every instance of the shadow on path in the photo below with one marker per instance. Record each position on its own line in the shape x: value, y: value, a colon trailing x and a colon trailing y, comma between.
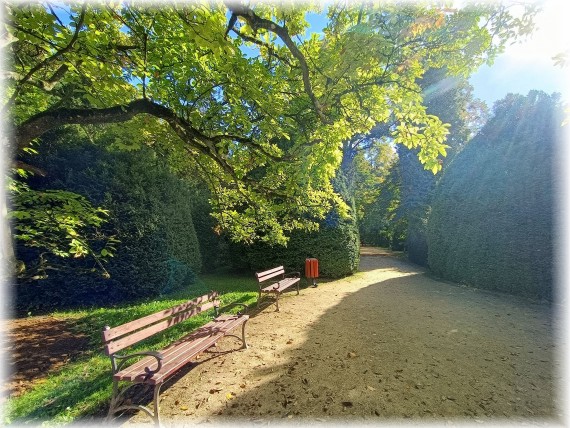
x: 388, y: 343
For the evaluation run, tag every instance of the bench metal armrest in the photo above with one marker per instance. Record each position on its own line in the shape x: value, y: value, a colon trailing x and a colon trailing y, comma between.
x: 159, y: 357
x: 244, y: 306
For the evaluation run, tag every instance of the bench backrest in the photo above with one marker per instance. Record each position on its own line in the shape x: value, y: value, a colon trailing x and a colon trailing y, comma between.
x: 271, y: 273
x: 117, y: 338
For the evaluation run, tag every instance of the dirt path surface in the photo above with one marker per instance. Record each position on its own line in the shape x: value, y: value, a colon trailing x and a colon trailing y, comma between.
x: 389, y: 343
x: 37, y: 346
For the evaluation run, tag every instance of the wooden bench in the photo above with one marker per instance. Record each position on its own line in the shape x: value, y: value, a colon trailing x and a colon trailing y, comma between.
x: 153, y: 368
x: 276, y: 288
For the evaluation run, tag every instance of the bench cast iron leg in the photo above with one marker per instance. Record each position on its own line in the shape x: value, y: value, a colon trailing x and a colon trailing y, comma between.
x: 243, y: 335
x: 113, y: 401
x: 258, y: 298
x: 156, y: 416
x: 277, y: 301
x: 118, y: 396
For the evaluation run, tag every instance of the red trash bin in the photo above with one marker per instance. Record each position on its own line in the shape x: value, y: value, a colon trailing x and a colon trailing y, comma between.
x: 312, y: 270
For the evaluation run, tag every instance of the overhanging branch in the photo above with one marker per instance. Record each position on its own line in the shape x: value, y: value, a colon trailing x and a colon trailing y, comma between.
x: 257, y: 22
x: 208, y: 145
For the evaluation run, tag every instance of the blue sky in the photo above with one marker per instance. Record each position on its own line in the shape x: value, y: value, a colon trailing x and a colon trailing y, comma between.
x: 524, y: 66
x: 529, y: 64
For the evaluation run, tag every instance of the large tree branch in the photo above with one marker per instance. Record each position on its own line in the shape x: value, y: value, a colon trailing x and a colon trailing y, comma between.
x: 42, y: 122
x: 208, y: 145
x: 262, y: 44
x: 50, y: 119
x: 257, y: 22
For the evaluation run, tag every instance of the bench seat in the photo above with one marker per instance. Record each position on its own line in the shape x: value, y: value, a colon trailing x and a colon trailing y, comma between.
x: 179, y: 353
x: 280, y: 286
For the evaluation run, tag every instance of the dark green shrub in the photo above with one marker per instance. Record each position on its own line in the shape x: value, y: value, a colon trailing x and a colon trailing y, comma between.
x: 491, y: 224
x: 150, y: 214
x: 336, y: 245
x: 213, y: 243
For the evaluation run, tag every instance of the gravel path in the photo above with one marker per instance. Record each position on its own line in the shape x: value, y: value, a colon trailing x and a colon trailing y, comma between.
x: 385, y: 345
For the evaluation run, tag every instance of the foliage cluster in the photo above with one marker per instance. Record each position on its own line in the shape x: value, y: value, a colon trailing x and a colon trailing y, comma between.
x: 382, y: 224
x: 225, y: 84
x: 491, y: 224
x: 336, y: 245
x: 36, y: 212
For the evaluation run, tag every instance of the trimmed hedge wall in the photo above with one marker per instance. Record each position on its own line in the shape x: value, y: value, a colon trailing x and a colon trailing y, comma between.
x: 336, y: 245
x: 491, y: 224
x: 213, y: 245
x: 150, y: 213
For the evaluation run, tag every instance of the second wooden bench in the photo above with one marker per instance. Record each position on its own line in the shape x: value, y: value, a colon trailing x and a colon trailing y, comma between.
x: 284, y: 281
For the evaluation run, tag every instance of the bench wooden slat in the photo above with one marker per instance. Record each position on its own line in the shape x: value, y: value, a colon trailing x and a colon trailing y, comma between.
x: 135, y: 369
x: 123, y: 329
x: 133, y: 338
x: 172, y: 361
x: 182, y: 351
x: 280, y: 286
x: 271, y: 273
x: 175, y: 364
x: 202, y: 333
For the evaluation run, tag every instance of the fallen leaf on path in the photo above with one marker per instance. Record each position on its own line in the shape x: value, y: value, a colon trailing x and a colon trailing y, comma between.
x: 371, y: 388
x: 352, y: 355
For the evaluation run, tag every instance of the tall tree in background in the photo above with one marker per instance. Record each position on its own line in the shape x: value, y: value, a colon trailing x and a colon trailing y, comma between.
x: 228, y: 94
x: 402, y: 214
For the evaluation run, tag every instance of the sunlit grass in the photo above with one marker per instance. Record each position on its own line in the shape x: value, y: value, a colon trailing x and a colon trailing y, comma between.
x: 82, y: 388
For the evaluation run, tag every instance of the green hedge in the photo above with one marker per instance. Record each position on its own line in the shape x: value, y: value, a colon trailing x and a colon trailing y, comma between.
x: 336, y: 245
x: 213, y: 243
x: 491, y: 224
x: 150, y: 213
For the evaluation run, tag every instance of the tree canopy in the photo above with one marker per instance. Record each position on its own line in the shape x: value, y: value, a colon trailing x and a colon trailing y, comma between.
x: 254, y: 101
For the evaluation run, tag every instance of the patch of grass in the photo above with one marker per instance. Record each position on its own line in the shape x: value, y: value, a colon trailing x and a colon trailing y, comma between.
x: 82, y: 388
